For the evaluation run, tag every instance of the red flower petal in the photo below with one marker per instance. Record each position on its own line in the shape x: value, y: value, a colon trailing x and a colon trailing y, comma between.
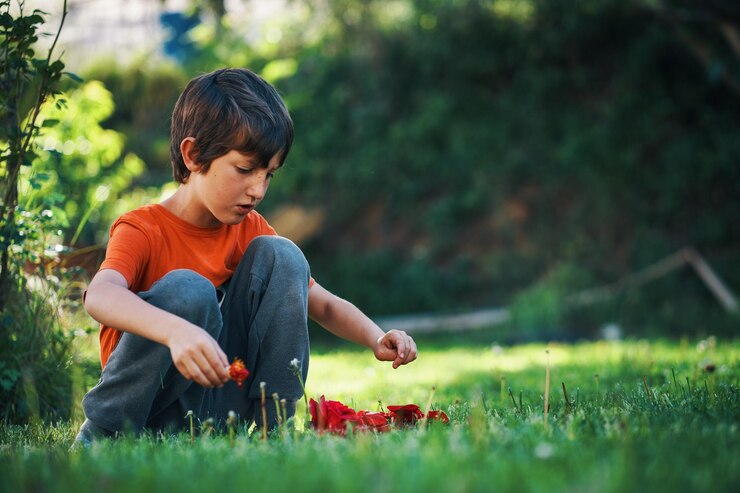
x: 375, y: 421
x: 238, y: 372
x: 438, y: 416
x: 405, y: 415
x: 332, y: 416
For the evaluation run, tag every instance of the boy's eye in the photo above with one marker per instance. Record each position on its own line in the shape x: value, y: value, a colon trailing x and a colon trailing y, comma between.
x: 271, y: 175
x: 243, y: 171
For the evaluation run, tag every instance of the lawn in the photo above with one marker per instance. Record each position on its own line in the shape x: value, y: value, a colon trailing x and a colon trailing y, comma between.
x: 643, y: 416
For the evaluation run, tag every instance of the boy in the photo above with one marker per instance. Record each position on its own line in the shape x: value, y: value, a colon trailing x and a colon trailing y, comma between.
x: 200, y: 279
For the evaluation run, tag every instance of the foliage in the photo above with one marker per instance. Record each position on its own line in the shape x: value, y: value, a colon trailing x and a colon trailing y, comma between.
x: 613, y: 436
x: 83, y: 163
x: 27, y: 82
x: 568, y: 133
x: 464, y: 150
x: 144, y: 97
x: 35, y: 348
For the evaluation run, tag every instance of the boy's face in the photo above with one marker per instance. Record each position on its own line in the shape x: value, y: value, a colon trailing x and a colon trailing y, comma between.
x: 231, y: 188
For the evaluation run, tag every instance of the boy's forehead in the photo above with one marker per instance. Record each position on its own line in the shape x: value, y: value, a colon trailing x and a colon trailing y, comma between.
x: 254, y: 160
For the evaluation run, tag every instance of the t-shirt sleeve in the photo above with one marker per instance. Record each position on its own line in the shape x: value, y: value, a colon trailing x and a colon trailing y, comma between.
x: 128, y: 251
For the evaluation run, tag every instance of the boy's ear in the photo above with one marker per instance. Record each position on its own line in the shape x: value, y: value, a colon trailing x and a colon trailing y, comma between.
x: 189, y: 152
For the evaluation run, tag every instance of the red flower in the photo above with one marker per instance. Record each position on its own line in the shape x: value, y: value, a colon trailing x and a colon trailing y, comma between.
x: 332, y: 416
x: 238, y: 372
x: 406, y: 415
x: 375, y: 421
x: 438, y: 415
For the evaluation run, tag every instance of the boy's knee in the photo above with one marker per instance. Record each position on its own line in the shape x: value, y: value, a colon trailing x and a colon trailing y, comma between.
x: 182, y: 292
x: 284, y: 254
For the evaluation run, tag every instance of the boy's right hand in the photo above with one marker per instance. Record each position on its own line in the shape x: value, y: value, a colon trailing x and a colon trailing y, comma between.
x: 197, y: 355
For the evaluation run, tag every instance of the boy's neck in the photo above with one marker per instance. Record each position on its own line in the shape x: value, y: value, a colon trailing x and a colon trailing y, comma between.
x: 180, y: 204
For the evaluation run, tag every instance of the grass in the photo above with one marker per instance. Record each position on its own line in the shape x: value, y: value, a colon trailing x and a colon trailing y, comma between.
x: 617, y: 434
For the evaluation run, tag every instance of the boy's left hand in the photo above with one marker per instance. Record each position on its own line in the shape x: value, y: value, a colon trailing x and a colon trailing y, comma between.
x: 397, y: 346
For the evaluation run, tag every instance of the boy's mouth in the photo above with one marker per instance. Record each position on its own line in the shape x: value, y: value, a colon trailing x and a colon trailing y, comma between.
x: 244, y: 208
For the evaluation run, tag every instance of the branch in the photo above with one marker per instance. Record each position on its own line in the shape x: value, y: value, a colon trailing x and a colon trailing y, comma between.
x: 43, y: 88
x: 686, y: 255
x: 700, y: 50
x: 732, y: 36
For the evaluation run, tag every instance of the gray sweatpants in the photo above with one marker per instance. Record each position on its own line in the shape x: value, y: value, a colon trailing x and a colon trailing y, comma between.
x: 262, y: 319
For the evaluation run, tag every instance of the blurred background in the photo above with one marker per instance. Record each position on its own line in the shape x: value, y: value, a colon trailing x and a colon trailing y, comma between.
x: 550, y: 157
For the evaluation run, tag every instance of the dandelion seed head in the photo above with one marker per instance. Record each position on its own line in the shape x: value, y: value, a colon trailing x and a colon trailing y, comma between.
x: 263, y: 385
x: 294, y: 363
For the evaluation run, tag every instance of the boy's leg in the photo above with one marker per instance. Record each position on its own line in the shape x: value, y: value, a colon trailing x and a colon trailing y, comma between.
x: 140, y: 386
x: 265, y: 324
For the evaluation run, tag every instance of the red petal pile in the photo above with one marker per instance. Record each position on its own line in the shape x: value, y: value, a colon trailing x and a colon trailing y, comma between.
x: 334, y: 417
x: 238, y: 372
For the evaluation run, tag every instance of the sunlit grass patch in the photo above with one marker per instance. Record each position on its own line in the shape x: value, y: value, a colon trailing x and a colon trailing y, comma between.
x: 615, y: 434
x: 459, y: 373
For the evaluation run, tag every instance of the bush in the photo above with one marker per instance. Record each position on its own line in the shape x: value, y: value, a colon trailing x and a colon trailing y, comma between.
x: 36, y: 354
x: 471, y: 147
x: 35, y: 350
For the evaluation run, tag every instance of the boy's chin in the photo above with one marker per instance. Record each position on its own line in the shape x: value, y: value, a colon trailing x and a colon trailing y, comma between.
x: 232, y: 220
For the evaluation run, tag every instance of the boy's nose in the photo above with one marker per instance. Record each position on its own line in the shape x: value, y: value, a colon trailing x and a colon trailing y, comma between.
x: 257, y: 189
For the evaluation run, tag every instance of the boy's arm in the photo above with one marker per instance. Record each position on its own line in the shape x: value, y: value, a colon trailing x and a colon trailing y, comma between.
x: 195, y: 353
x: 342, y: 318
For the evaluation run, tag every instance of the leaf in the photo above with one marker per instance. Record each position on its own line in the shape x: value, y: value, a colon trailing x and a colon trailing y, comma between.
x: 54, y: 198
x: 60, y: 214
x: 57, y: 66
x: 35, y: 19
x: 41, y: 177
x: 28, y: 158
x: 6, y: 20
x: 49, y: 122
x: 74, y: 77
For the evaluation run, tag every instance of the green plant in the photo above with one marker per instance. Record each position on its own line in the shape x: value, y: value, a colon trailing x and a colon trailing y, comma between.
x: 82, y: 162
x: 26, y: 83
x: 35, y: 348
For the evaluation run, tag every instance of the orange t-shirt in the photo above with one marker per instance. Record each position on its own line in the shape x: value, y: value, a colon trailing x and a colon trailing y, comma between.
x: 147, y: 243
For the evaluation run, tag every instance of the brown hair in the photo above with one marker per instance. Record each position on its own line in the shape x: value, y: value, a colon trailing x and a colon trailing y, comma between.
x: 229, y: 109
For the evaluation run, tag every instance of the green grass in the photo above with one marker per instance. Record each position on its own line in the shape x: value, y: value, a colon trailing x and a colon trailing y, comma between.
x: 681, y: 437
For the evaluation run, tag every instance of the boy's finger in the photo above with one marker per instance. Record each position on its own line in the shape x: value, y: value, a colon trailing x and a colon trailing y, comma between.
x: 193, y: 373
x: 223, y: 359
x: 183, y: 371
x: 208, y: 371
x: 412, y: 351
x: 221, y: 364
x: 401, y: 348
